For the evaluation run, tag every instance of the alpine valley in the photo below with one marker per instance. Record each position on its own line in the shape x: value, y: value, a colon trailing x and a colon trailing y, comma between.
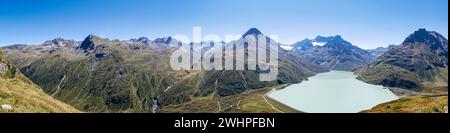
x: 108, y: 75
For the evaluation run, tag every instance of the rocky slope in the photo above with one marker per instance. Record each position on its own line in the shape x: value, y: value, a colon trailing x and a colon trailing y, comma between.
x: 18, y: 94
x: 333, y: 53
x: 420, y: 63
x: 103, y: 75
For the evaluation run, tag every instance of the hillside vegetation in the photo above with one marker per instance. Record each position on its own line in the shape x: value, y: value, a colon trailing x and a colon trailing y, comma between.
x: 22, y: 95
x: 254, y: 101
x: 103, y: 75
x: 413, y: 104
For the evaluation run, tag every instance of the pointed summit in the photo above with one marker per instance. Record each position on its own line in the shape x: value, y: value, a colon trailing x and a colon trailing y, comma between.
x: 252, y: 31
x: 90, y: 42
x: 419, y: 36
x: 338, y: 37
x: 424, y: 36
x: 94, y: 38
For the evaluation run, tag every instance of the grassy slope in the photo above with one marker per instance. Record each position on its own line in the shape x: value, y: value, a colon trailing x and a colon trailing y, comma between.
x: 414, y: 104
x: 24, y: 96
x: 253, y: 102
x: 111, y: 84
x: 248, y: 102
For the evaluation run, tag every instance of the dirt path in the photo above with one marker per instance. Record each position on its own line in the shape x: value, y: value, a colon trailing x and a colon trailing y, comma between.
x: 267, y: 101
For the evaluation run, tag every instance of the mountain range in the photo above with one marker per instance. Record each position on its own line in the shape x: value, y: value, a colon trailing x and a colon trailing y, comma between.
x: 333, y: 53
x: 103, y: 75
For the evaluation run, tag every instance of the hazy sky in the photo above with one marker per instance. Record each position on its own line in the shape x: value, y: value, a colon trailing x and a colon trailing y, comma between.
x: 365, y: 23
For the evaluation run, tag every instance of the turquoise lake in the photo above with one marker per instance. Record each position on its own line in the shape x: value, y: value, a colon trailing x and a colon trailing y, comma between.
x: 333, y: 92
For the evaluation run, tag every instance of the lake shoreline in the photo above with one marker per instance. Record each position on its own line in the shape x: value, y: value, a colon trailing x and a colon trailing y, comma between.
x: 332, y: 92
x: 281, y: 106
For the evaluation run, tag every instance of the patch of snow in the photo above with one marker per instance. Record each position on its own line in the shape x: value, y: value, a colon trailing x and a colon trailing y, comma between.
x: 286, y: 47
x: 319, y: 43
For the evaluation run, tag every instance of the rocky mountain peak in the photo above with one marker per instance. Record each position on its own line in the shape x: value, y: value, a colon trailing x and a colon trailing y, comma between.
x: 333, y: 53
x: 143, y: 39
x: 320, y: 38
x: 320, y: 41
x: 336, y: 38
x: 93, y: 38
x: 303, y: 45
x: 90, y: 42
x: 424, y: 36
x: 252, y: 31
x: 435, y: 41
x: 60, y: 42
x: 166, y: 40
x: 55, y: 41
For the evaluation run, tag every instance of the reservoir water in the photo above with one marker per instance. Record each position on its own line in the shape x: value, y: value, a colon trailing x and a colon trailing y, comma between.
x: 333, y: 92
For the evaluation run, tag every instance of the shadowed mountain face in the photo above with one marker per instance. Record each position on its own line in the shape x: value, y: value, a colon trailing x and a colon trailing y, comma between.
x: 103, y: 75
x: 333, y: 53
x: 420, y: 63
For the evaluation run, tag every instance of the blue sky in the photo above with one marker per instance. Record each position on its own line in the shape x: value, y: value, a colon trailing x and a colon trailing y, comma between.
x: 365, y: 23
